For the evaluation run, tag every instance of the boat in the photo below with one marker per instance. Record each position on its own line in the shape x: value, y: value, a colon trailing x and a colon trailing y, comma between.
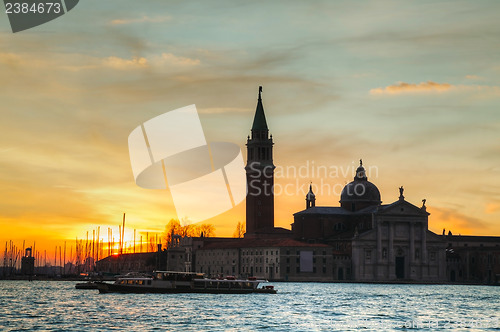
x: 86, y: 285
x: 89, y: 281
x: 184, y: 282
x: 266, y: 289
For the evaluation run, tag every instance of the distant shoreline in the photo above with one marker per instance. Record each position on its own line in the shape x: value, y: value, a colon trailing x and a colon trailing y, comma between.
x: 45, y: 278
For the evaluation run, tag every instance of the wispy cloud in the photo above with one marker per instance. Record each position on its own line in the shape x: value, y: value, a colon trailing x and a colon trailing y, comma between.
x: 492, y: 207
x: 143, y: 19
x: 457, y: 222
x: 165, y: 59
x: 120, y: 63
x: 474, y: 77
x: 403, y: 87
x: 217, y: 110
x: 159, y: 61
x: 78, y: 62
x: 171, y: 59
x: 433, y: 87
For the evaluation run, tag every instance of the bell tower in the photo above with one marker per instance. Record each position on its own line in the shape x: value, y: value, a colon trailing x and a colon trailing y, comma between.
x: 260, y: 176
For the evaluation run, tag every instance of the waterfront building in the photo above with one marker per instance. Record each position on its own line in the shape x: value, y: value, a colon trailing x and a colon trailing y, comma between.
x: 275, y: 259
x: 474, y: 259
x: 360, y: 240
x: 138, y: 262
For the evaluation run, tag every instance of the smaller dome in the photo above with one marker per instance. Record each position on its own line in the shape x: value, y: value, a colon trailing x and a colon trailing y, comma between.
x: 360, y: 172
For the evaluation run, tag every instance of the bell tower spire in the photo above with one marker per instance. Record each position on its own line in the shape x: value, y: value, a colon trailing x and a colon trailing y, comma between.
x: 260, y: 176
x: 310, y: 198
x: 259, y: 120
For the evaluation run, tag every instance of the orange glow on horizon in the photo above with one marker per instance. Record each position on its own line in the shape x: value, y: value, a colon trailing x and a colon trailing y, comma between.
x: 225, y: 225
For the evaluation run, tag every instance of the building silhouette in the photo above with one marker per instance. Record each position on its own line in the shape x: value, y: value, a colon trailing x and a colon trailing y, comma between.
x: 260, y: 179
x: 28, y: 263
x: 384, y: 242
x: 359, y: 240
x: 260, y: 176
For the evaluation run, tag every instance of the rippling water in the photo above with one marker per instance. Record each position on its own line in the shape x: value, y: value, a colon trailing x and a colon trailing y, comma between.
x: 58, y: 306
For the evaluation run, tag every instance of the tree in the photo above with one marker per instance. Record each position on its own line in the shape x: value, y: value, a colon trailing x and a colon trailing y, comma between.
x: 208, y: 230
x: 174, y: 227
x: 240, y: 230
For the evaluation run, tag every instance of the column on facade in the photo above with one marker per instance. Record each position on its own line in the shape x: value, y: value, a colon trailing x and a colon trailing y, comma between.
x: 379, y: 242
x: 390, y: 266
x: 424, y: 242
x: 377, y: 268
x: 356, y: 260
x: 391, y: 242
x: 412, y: 242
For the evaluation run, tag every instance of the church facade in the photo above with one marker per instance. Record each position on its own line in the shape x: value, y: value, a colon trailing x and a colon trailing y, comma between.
x: 387, y: 242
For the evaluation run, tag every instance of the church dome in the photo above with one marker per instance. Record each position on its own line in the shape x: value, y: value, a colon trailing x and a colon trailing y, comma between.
x: 359, y: 193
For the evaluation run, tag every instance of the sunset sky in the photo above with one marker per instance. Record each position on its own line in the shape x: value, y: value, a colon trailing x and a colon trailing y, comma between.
x: 412, y: 88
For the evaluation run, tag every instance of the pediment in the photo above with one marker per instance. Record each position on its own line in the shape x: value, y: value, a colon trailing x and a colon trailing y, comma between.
x: 402, y: 207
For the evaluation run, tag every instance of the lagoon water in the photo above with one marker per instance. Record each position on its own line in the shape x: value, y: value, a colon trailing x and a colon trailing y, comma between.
x: 58, y: 306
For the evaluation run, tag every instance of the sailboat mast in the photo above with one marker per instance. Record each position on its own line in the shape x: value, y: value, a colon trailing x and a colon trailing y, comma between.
x: 123, y: 232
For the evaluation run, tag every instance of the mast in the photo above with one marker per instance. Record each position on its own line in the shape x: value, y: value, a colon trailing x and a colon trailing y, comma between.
x: 98, y: 243
x: 93, y: 247
x: 119, y: 239
x: 123, y: 233
x: 60, y: 261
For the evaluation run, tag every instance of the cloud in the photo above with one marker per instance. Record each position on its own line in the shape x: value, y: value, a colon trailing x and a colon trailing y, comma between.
x: 403, y: 87
x: 218, y: 110
x: 143, y: 19
x: 163, y: 60
x: 18, y: 61
x: 474, y: 77
x: 9, y: 58
x: 122, y: 64
x: 455, y: 221
x: 171, y: 59
x: 433, y: 87
x: 78, y: 62
x: 492, y: 207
